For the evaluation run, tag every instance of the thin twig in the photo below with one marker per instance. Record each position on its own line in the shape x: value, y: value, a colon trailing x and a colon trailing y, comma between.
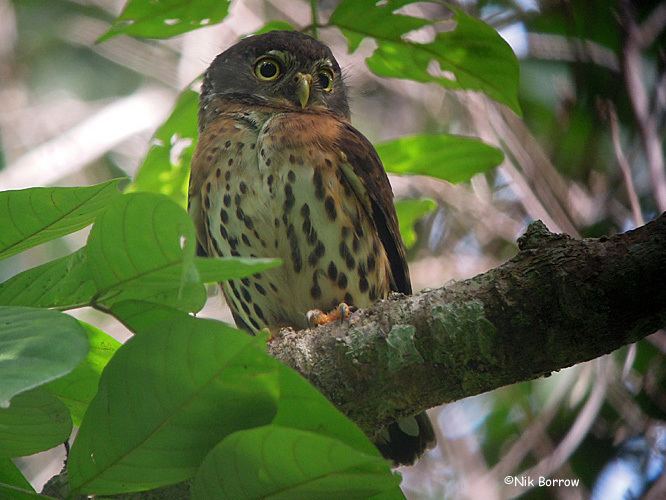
x: 578, y: 430
x: 624, y: 165
x: 632, y: 71
x: 653, y: 25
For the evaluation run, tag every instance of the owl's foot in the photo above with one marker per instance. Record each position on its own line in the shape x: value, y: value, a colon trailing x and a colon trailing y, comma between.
x: 341, y: 313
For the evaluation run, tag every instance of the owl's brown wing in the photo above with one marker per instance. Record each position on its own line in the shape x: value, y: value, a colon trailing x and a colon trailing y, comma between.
x: 405, y: 440
x: 370, y: 183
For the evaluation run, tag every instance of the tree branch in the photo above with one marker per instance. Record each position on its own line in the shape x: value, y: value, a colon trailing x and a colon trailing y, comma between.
x: 558, y: 302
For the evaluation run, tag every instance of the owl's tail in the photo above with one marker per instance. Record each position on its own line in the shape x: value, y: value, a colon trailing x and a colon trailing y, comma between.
x: 406, y: 439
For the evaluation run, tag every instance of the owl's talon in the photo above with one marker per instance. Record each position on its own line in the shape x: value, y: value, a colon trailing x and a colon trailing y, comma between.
x: 345, y: 311
x: 316, y: 317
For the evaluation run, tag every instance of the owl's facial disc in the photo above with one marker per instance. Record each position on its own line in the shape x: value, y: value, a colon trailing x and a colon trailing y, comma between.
x: 282, y: 77
x: 285, y: 69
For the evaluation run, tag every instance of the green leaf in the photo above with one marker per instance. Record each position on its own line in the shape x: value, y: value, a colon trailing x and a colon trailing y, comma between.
x: 278, y: 462
x: 35, y: 421
x: 142, y: 247
x: 140, y: 316
x: 10, y: 475
x: 64, y: 283
x: 301, y: 406
x: 472, y: 56
x: 274, y: 26
x: 166, y: 167
x: 409, y: 212
x: 36, y: 346
x: 32, y: 216
x: 13, y: 485
x: 166, y: 18
x: 448, y: 157
x: 165, y: 399
x: 16, y: 493
x: 212, y: 270
x: 78, y: 388
x: 68, y: 282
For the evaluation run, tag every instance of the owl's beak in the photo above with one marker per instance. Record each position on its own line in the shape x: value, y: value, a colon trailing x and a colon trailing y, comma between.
x: 304, y: 82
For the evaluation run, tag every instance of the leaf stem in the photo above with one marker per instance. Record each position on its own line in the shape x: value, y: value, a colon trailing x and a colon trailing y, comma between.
x: 315, y: 21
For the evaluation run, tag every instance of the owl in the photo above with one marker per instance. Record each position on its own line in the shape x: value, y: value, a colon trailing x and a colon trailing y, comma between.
x: 279, y: 171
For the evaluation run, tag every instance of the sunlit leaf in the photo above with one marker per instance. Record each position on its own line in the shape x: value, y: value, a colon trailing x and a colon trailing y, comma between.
x: 279, y: 462
x: 32, y: 216
x: 165, y: 399
x: 36, y: 346
x: 448, y: 157
x: 409, y: 212
x: 472, y: 56
x: 77, y: 389
x: 166, y: 167
x: 166, y: 18
x: 35, y: 421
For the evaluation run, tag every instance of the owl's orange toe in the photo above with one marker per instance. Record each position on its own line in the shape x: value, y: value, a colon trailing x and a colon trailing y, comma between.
x: 317, y: 317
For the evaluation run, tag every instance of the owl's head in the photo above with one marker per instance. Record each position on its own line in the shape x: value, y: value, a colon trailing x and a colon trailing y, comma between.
x: 285, y: 69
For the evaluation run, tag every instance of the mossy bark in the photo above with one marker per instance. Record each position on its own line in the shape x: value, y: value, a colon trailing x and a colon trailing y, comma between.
x: 558, y: 302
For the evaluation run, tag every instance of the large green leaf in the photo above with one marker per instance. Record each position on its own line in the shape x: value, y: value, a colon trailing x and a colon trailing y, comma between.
x: 64, y: 283
x: 409, y: 212
x: 165, y: 399
x: 449, y: 157
x: 142, y: 247
x: 473, y: 54
x: 300, y: 405
x: 36, y: 347
x: 67, y: 283
x: 166, y: 18
x: 32, y: 216
x: 303, y: 407
x: 166, y: 167
x: 35, y: 421
x: 77, y: 389
x: 279, y: 462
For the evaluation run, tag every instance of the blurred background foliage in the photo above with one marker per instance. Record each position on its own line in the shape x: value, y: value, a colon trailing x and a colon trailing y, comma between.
x: 586, y: 158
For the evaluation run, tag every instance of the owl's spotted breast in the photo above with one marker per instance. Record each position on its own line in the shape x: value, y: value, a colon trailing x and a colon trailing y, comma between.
x: 271, y: 190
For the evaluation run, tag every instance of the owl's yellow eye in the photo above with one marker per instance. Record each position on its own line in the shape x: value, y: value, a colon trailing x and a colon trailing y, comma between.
x: 326, y: 80
x: 267, y: 69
